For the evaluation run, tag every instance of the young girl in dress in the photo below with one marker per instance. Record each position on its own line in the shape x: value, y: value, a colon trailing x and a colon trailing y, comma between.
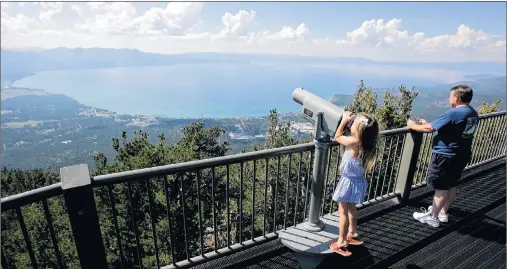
x: 360, y: 150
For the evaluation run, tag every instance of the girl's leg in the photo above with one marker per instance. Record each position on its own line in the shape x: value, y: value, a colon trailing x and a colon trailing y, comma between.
x: 344, y: 223
x: 340, y: 245
x: 352, y: 234
x: 352, y: 221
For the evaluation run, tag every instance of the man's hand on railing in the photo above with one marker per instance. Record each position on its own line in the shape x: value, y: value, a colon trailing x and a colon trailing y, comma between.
x: 421, y: 121
x: 420, y: 125
x: 410, y: 124
x: 416, y: 122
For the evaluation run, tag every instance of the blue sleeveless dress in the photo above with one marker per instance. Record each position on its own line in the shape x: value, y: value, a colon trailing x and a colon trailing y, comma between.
x: 352, y: 186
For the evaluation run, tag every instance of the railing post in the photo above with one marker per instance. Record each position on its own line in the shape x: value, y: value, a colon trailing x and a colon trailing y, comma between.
x: 84, y: 220
x: 408, y: 164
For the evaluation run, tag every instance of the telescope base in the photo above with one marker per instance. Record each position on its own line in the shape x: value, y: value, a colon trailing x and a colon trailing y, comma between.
x: 310, y: 248
x: 314, y: 227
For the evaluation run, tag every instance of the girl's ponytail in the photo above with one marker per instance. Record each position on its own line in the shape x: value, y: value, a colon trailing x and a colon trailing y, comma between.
x: 368, y: 130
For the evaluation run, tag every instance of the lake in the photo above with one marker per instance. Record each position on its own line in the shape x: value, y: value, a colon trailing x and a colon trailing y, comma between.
x: 219, y: 90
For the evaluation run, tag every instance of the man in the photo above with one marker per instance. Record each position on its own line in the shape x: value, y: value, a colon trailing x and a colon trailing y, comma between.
x: 452, y: 150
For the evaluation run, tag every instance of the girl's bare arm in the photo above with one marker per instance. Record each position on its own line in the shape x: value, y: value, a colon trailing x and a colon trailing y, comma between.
x: 344, y: 140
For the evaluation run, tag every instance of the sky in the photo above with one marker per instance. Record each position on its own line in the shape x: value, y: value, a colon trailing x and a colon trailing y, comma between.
x: 383, y: 31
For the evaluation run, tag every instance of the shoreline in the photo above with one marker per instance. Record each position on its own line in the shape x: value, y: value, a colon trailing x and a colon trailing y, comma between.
x: 290, y: 113
x: 12, y: 88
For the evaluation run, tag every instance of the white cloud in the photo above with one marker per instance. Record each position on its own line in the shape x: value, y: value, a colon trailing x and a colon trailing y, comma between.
x: 177, y: 27
x: 111, y: 18
x: 288, y: 33
x: 96, y: 5
x: 13, y: 24
x: 381, y: 34
x: 77, y: 9
x: 236, y: 24
x: 50, y: 10
x: 124, y: 18
x: 498, y: 44
x: 463, y: 38
x: 175, y: 18
x: 374, y: 33
x: 236, y: 27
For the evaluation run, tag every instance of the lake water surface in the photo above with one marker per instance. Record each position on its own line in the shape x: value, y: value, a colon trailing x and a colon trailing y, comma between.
x: 215, y: 90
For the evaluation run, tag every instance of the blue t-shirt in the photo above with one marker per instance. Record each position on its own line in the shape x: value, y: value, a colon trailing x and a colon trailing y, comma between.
x: 454, y: 132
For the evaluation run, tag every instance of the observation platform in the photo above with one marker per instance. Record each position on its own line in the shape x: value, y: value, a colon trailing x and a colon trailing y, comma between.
x: 474, y: 237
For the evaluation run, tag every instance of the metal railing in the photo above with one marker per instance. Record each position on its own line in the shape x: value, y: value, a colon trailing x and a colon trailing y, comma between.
x: 183, y: 214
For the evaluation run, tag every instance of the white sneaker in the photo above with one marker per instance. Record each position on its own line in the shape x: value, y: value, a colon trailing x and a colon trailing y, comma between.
x: 425, y: 217
x: 441, y: 217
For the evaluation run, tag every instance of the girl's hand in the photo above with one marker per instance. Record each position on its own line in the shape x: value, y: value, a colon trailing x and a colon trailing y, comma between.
x: 347, y: 116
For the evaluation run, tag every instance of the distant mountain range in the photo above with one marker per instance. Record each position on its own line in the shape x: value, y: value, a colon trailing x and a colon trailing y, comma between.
x: 19, y: 63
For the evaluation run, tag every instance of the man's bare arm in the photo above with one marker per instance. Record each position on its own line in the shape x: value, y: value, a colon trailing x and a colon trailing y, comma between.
x: 423, y: 126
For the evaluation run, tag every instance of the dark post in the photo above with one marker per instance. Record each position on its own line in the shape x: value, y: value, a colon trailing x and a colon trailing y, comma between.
x: 84, y: 221
x: 408, y: 163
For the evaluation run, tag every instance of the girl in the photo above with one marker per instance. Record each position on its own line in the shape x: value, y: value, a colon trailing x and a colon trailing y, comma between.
x: 360, y: 150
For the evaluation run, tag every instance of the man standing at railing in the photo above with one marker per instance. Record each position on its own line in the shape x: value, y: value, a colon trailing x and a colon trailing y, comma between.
x: 452, y: 150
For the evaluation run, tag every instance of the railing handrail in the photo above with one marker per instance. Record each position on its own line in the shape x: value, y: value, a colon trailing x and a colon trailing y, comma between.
x: 492, y: 114
x: 35, y: 195
x: 31, y: 196
x: 119, y: 177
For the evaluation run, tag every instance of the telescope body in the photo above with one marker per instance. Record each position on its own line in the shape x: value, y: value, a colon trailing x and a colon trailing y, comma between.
x: 331, y: 115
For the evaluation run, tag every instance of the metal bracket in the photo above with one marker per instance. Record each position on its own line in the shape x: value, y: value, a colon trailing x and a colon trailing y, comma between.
x: 319, y: 135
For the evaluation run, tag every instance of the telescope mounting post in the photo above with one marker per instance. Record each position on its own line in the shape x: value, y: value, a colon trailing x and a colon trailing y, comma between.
x: 322, y: 144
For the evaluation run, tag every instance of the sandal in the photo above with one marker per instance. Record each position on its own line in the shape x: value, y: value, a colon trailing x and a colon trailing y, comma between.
x: 339, y: 250
x: 351, y: 239
x: 354, y: 242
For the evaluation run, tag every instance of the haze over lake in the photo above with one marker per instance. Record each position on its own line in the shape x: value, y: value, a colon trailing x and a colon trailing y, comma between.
x: 220, y: 90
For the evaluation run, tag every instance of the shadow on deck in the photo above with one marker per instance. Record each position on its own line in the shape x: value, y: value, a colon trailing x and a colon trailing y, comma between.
x: 473, y: 238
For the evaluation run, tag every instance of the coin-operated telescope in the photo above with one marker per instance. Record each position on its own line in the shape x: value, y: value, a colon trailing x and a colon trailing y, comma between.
x: 324, y: 115
x: 326, y: 118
